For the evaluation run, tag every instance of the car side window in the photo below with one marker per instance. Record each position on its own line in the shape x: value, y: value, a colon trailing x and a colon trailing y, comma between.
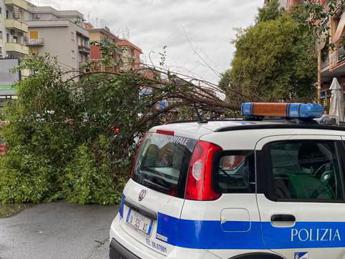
x: 305, y: 171
x: 234, y: 172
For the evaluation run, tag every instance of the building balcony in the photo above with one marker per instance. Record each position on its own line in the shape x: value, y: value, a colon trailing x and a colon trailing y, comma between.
x: 337, y: 58
x: 84, y: 49
x: 17, y: 25
x: 20, y: 3
x: 35, y: 42
x: 336, y: 66
x: 325, y: 63
x: 16, y: 47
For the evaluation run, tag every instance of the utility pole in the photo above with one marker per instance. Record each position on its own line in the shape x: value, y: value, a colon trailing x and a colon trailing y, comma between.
x: 319, y: 45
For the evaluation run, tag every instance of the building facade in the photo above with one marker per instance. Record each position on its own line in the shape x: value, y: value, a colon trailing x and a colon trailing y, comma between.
x: 60, y: 33
x: 130, y: 55
x: 13, y: 29
x: 333, y: 55
x: 127, y: 58
x: 102, y: 36
x: 28, y: 29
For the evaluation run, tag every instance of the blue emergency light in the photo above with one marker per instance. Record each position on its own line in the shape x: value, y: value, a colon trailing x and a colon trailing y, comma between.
x: 283, y: 110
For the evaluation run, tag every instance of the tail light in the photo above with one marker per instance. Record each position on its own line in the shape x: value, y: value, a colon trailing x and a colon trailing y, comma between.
x: 199, y: 185
x: 166, y: 132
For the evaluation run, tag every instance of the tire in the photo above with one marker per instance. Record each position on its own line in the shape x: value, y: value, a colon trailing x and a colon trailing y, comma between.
x: 257, y: 256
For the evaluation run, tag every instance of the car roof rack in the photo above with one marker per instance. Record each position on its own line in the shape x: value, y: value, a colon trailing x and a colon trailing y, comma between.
x: 282, y: 126
x: 205, y: 121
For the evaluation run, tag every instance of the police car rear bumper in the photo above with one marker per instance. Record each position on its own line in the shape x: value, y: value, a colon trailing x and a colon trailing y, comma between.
x: 118, y: 251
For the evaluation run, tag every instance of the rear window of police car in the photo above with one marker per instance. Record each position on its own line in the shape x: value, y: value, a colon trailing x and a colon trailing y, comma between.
x: 162, y: 163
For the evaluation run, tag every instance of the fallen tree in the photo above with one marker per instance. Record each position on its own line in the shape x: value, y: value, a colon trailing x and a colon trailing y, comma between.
x: 72, y: 134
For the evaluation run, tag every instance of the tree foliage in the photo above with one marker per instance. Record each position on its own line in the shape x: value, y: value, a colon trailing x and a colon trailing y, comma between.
x: 274, y: 60
x: 269, y: 12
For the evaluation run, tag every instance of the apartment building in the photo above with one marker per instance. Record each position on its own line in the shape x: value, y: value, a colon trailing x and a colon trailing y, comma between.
x: 60, y: 33
x: 29, y: 29
x: 101, y: 36
x: 333, y: 58
x: 13, y: 29
x: 128, y: 57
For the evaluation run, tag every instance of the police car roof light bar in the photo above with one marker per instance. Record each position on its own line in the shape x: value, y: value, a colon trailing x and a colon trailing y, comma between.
x: 303, y: 111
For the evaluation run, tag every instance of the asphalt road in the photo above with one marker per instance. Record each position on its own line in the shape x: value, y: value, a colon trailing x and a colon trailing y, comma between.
x: 57, y: 231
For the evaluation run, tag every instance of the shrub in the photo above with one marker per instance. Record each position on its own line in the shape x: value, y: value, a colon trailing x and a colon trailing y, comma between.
x: 87, y: 179
x: 25, y: 178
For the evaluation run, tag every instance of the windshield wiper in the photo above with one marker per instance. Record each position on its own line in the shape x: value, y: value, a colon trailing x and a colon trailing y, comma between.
x: 163, y: 175
x: 156, y: 186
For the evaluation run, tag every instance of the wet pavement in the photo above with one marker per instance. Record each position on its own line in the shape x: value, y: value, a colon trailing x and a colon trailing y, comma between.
x: 57, y: 231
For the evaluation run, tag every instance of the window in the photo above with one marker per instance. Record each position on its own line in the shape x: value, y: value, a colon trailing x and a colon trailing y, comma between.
x: 305, y: 170
x: 234, y: 172
x: 34, y: 35
x: 162, y: 163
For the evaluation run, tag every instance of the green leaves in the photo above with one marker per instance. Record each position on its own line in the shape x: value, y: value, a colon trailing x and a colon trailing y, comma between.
x: 274, y: 60
x: 88, y: 181
x: 269, y: 12
x: 24, y: 178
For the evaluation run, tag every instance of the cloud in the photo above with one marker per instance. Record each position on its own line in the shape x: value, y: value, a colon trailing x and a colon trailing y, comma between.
x: 198, y: 33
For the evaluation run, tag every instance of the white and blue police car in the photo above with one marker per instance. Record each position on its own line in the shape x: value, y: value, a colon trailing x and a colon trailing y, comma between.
x: 248, y: 189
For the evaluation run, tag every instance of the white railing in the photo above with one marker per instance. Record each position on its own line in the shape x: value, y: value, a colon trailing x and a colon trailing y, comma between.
x: 337, y: 56
x: 35, y: 42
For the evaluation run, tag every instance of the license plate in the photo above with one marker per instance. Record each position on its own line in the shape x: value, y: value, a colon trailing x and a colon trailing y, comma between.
x: 139, y: 222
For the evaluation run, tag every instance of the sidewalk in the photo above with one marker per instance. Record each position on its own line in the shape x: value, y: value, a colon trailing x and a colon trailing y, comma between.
x: 57, y: 230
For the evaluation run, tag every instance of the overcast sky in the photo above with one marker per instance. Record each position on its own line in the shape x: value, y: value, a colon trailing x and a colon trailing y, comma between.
x: 197, y: 33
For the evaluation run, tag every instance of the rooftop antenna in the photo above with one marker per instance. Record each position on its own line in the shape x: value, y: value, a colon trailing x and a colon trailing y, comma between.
x: 128, y: 32
x: 97, y: 22
x: 125, y: 33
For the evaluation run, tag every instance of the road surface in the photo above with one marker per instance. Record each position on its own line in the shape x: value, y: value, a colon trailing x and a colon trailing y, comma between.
x: 57, y: 231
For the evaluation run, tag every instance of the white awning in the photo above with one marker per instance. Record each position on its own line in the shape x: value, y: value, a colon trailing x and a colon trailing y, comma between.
x: 337, y: 104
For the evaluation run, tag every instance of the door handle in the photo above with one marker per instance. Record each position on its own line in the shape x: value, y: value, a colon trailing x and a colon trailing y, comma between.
x: 283, y: 220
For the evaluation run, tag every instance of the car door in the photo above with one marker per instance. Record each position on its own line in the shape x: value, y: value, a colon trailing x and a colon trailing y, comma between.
x: 301, y: 195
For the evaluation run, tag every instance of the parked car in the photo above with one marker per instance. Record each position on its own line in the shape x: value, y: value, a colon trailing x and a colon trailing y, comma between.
x: 250, y: 189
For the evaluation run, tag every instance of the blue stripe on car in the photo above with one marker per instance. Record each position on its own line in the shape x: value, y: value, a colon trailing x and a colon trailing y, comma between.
x: 202, y: 234
x: 122, y: 204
